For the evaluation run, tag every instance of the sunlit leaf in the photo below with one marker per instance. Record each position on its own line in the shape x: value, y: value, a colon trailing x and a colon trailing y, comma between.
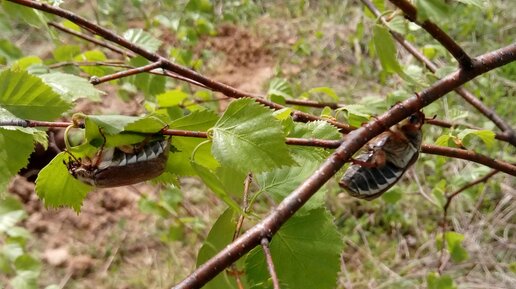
x: 279, y: 87
x: 28, y: 97
x: 434, y: 281
x: 433, y: 9
x: 142, y: 38
x: 56, y: 187
x: 219, y: 237
x: 15, y: 149
x: 454, y: 244
x: 308, y: 243
x: 70, y: 86
x: 249, y: 138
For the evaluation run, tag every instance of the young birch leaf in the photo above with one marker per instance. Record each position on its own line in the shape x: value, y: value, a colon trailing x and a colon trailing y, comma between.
x: 487, y: 136
x: 71, y: 87
x: 56, y: 187
x: 92, y: 56
x: 178, y: 162
x: 27, y: 97
x: 385, y: 48
x: 11, y: 212
x: 215, y: 184
x: 308, y: 243
x: 111, y: 124
x: 435, y: 281
x: 279, y: 87
x: 432, y: 9
x: 317, y: 130
x: 219, y: 237
x: 281, y: 182
x: 249, y: 138
x: 454, y: 244
x: 15, y: 149
x: 142, y: 38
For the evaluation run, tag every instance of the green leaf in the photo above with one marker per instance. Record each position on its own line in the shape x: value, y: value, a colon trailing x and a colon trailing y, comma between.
x: 151, y: 123
x: 8, y: 51
x: 487, y: 136
x: 15, y: 149
x: 279, y: 183
x: 454, y: 244
x: 357, y: 114
x: 279, y: 87
x: 316, y: 130
x: 478, y: 3
x: 249, y: 138
x: 111, y: 124
x: 25, y: 62
x: 283, y: 113
x: 171, y: 98
x: 220, y: 236
x: 25, y: 280
x: 325, y: 90
x: 27, y: 97
x: 393, y: 195
x: 149, y: 84
x: 56, y: 187
x: 27, y: 263
x: 445, y: 140
x: 436, y: 10
x: 11, y: 212
x: 66, y: 52
x: 213, y: 182
x: 25, y: 14
x: 308, y: 243
x: 438, y: 192
x: 434, y: 281
x: 385, y: 48
x: 143, y: 39
x: 93, y: 56
x: 204, y: 6
x: 71, y: 87
x: 178, y: 162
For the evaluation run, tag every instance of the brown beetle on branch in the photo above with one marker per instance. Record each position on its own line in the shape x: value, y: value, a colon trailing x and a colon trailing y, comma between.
x: 121, y: 166
x: 385, y: 160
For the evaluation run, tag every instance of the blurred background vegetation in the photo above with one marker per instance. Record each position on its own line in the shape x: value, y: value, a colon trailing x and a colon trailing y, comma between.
x: 147, y: 237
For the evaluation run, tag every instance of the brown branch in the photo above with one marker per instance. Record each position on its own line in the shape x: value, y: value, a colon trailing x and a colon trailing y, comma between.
x: 97, y: 80
x: 270, y: 263
x: 470, y: 156
x: 508, y: 134
x: 437, y: 33
x: 351, y: 143
x: 91, y: 63
x: 167, y: 64
x: 91, y: 39
x: 449, y: 198
x: 311, y: 103
x: 328, y: 144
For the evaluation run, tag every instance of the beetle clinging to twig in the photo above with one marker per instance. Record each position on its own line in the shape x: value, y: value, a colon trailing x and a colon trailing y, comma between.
x: 384, y: 159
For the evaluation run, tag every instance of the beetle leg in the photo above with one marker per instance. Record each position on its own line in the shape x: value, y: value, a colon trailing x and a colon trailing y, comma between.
x: 98, y: 156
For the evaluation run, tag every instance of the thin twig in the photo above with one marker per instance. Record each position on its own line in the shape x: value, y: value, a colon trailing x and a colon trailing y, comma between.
x: 270, y: 263
x: 437, y: 33
x: 240, y: 222
x: 115, y: 63
x: 91, y: 39
x: 508, y: 134
x: 442, y: 264
x: 470, y: 156
x: 328, y: 144
x: 97, y: 80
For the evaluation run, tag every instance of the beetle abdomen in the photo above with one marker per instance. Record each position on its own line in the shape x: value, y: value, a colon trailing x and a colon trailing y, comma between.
x: 126, y: 169
x: 369, y: 183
